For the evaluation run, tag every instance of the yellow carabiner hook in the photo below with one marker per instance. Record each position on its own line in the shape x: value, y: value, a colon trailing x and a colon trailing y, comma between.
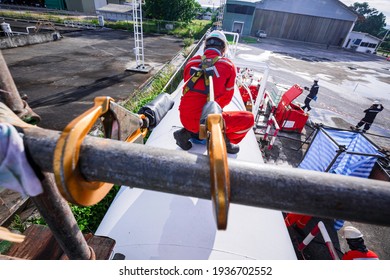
x: 69, y: 180
x: 219, y: 171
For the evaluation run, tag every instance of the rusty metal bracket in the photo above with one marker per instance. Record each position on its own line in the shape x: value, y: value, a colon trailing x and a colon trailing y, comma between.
x: 70, y: 182
x: 123, y: 125
x: 219, y: 171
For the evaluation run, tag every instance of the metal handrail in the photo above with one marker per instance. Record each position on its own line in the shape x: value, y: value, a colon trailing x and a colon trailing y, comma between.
x: 282, y: 188
x: 178, y: 74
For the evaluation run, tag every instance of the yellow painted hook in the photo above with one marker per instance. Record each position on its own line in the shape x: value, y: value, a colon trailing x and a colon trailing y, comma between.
x: 219, y: 171
x: 70, y: 182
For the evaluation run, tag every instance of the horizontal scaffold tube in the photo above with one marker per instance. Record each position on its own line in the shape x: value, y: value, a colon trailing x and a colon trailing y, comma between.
x: 288, y: 189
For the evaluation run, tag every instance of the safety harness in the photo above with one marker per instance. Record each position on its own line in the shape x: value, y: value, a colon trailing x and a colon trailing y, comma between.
x: 204, y: 70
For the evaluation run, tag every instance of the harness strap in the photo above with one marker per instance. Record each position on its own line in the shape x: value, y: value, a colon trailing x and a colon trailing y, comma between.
x: 205, y: 70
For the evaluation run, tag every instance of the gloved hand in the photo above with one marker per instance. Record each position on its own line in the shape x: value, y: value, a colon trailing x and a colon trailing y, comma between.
x: 306, y: 88
x: 15, y: 171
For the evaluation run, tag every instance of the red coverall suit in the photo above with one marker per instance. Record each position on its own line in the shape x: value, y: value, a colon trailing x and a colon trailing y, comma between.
x: 237, y: 123
x: 357, y: 255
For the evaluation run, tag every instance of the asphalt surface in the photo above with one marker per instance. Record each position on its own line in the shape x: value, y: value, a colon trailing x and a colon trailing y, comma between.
x: 62, y: 78
x: 349, y: 83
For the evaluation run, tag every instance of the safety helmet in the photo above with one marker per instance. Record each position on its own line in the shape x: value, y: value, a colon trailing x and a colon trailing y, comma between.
x: 351, y: 233
x: 376, y: 102
x: 316, y: 79
x: 216, y: 34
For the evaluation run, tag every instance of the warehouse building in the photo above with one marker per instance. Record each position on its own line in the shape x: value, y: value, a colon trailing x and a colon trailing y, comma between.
x: 116, y: 12
x: 316, y: 21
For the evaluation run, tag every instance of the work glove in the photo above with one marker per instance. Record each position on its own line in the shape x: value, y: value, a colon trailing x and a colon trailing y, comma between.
x: 15, y: 171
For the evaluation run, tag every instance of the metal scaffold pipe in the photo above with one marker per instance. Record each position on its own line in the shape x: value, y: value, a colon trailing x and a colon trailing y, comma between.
x: 287, y: 189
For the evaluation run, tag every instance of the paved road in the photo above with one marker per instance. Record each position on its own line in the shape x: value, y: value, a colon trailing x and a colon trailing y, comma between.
x: 61, y: 78
x: 349, y: 82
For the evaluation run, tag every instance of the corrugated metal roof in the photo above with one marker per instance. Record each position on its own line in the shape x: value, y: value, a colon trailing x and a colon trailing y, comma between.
x: 367, y: 35
x: 115, y: 8
x: 320, y: 8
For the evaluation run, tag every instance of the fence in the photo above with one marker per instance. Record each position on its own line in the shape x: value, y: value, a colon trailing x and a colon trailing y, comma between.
x: 319, y: 228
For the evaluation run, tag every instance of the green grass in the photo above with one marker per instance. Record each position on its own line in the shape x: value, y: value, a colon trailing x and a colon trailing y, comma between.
x: 36, y: 16
x: 249, y: 40
x: 141, y: 97
x: 89, y: 218
x: 194, y: 29
x: 4, y: 246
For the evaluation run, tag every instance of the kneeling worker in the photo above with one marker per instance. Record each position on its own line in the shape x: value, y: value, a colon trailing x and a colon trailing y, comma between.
x: 196, y: 93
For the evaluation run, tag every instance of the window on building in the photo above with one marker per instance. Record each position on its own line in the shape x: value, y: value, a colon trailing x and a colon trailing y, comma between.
x: 364, y: 44
x: 372, y: 46
x: 240, y: 9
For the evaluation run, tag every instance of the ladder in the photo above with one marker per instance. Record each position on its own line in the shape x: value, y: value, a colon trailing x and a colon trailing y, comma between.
x: 138, y: 34
x: 220, y: 14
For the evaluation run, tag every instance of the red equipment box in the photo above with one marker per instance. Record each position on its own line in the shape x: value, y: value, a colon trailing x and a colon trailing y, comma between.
x: 291, y: 117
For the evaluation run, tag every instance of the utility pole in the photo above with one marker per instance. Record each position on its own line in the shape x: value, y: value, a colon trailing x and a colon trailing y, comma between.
x: 220, y: 14
x: 384, y: 37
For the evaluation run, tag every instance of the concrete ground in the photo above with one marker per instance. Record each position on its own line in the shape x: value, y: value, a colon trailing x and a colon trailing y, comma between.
x: 61, y: 79
x: 349, y: 83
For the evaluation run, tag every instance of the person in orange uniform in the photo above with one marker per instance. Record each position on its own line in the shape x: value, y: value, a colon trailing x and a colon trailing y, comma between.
x: 196, y: 94
x: 298, y: 220
x: 358, y: 250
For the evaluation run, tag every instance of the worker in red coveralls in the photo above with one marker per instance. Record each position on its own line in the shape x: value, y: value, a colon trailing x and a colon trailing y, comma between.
x: 358, y: 250
x: 196, y: 94
x: 298, y: 220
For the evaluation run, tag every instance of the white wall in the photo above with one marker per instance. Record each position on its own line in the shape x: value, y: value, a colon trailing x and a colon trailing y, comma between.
x: 362, y: 42
x: 100, y: 3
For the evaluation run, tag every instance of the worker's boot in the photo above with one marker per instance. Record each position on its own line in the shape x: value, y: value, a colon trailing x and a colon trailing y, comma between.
x: 182, y: 138
x: 231, y: 148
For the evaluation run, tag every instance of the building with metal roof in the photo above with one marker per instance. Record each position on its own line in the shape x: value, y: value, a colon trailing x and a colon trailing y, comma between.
x: 116, y: 12
x: 361, y: 42
x: 88, y: 6
x: 316, y: 21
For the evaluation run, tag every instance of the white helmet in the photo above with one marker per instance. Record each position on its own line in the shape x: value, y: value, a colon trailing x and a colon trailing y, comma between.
x: 316, y: 79
x: 351, y: 233
x: 376, y: 102
x: 218, y: 35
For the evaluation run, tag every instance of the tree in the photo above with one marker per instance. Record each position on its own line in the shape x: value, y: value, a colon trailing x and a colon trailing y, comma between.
x: 172, y: 10
x: 372, y: 21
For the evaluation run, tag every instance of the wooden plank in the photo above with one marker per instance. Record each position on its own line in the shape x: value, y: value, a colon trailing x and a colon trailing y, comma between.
x: 4, y: 257
x: 102, y: 246
x: 39, y: 244
x: 10, y: 204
